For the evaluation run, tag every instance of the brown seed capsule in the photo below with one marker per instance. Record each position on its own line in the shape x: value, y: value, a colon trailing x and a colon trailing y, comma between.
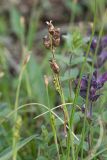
x: 47, y: 42
x: 54, y: 66
x: 56, y: 42
x: 56, y: 37
x: 56, y: 33
x: 51, y: 28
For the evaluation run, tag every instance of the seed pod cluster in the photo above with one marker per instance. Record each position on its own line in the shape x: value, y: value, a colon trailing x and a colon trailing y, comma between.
x: 54, y: 66
x: 54, y: 36
x: 47, y: 42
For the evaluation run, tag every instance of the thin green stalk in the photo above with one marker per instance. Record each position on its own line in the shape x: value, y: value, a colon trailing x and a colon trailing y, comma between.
x: 38, y: 104
x: 29, y: 90
x: 58, y: 84
x: 15, y: 128
x: 52, y: 121
x: 98, y: 144
x: 100, y: 34
x: 66, y: 119
x: 15, y: 137
x: 78, y: 88
x: 55, y: 135
x: 27, y: 81
x: 70, y: 137
x: 60, y: 90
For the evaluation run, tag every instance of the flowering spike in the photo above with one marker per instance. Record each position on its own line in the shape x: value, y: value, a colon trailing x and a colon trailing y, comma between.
x: 96, y: 83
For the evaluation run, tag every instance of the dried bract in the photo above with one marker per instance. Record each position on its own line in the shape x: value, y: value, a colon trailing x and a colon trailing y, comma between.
x: 56, y: 37
x: 47, y: 42
x: 54, y: 66
x: 46, y: 80
x: 53, y: 38
x: 51, y: 28
x: 26, y: 60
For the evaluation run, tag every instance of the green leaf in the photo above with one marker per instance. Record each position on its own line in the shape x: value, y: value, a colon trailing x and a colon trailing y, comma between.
x: 104, y: 116
x: 15, y: 22
x: 73, y: 74
x: 36, y: 80
x: 41, y: 158
x: 77, y: 60
x: 7, y: 153
x: 74, y: 61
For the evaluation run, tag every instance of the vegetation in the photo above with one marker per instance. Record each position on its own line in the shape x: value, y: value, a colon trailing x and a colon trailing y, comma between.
x: 53, y: 80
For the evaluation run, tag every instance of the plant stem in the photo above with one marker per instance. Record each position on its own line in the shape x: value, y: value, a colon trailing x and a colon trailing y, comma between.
x: 65, y: 111
x: 91, y: 110
x: 52, y: 120
x: 15, y: 129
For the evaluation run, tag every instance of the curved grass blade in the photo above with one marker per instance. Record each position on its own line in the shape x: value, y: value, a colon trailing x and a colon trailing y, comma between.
x: 7, y: 153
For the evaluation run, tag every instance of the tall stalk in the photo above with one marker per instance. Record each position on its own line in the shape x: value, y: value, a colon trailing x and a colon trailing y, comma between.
x: 15, y: 127
x: 52, y: 118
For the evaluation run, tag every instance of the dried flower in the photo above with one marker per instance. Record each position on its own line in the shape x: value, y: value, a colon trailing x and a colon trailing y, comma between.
x: 53, y: 39
x: 46, y: 80
x: 96, y: 83
x: 47, y: 42
x: 51, y: 28
x: 56, y: 37
x: 26, y: 60
x: 54, y: 66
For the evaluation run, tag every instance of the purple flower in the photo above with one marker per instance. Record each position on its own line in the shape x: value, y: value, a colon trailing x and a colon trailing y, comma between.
x: 104, y: 42
x: 101, y: 52
x: 101, y: 58
x: 94, y: 43
x: 96, y: 84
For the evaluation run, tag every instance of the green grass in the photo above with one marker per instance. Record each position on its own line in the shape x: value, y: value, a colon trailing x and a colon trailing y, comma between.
x: 33, y: 120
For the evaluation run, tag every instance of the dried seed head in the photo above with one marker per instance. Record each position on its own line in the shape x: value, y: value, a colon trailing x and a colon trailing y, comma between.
x: 54, y: 66
x: 46, y: 80
x: 56, y: 42
x: 22, y: 21
x: 56, y: 33
x: 56, y: 37
x: 51, y: 27
x: 47, y: 42
x: 26, y: 60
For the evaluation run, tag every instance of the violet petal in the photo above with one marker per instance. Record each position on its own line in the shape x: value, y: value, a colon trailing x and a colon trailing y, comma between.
x: 102, y: 79
x: 104, y: 42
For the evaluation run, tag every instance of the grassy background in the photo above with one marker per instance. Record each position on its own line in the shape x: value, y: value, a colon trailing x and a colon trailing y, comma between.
x: 22, y: 27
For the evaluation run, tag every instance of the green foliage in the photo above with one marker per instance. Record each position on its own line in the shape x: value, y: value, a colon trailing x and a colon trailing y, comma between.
x: 7, y: 153
x: 46, y: 137
x: 16, y: 24
x: 74, y: 42
x: 3, y: 26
